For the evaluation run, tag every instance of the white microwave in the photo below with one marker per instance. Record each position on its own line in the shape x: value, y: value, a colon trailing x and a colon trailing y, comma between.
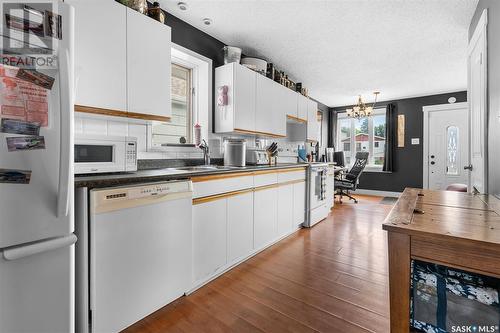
x: 98, y: 154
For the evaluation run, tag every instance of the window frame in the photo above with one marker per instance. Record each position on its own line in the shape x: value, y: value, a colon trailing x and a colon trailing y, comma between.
x: 202, y: 98
x: 189, y: 106
x: 371, y: 166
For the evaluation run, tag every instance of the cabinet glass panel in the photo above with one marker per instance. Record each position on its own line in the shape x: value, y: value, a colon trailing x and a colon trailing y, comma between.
x: 452, y: 150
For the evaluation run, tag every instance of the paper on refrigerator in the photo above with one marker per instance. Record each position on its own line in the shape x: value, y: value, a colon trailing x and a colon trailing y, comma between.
x: 22, y: 100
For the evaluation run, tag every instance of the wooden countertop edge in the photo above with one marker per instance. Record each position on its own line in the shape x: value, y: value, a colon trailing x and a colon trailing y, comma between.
x: 420, y: 234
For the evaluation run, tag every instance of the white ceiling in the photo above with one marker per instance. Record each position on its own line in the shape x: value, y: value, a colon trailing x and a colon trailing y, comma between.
x: 341, y: 48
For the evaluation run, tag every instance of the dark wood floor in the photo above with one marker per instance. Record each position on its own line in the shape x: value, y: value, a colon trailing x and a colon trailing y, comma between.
x: 331, y: 278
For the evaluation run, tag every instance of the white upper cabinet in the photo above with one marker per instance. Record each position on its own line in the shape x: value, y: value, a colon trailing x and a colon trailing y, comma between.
x: 290, y: 102
x: 255, y: 105
x: 302, y: 103
x: 239, y: 113
x: 100, y: 54
x: 269, y: 110
x: 312, y: 120
x: 122, y: 61
x: 265, y: 104
x: 148, y: 66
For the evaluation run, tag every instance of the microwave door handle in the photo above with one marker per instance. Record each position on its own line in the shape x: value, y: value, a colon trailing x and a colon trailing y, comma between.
x: 66, y: 134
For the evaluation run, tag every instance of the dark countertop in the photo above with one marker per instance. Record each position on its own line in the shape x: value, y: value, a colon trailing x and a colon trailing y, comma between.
x: 155, y: 175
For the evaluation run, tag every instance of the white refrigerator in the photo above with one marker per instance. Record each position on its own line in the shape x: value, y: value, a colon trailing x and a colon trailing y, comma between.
x: 36, y: 218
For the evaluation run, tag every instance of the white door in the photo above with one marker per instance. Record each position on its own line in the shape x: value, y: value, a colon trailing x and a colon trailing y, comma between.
x: 243, y: 97
x: 477, y: 96
x: 148, y: 66
x: 265, y: 216
x: 285, y: 209
x: 209, y: 238
x: 299, y: 203
x: 89, y: 63
x: 448, y: 148
x: 239, y: 226
x: 41, y: 208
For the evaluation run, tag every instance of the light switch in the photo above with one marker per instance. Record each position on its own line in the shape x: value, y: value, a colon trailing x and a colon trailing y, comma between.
x: 415, y: 141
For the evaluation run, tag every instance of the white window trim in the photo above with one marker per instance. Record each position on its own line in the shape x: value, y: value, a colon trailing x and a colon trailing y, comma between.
x: 201, y: 102
x: 369, y: 167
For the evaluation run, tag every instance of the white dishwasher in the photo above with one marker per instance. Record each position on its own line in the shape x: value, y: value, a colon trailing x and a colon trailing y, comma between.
x: 140, y: 251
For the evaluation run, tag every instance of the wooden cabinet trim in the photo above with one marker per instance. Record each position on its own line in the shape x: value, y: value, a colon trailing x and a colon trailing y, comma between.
x: 297, y: 119
x: 239, y: 130
x: 198, y: 179
x: 198, y: 201
x: 118, y: 113
x: 214, y: 197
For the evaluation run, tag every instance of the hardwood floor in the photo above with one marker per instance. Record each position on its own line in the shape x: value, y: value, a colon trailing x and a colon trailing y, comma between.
x: 331, y: 278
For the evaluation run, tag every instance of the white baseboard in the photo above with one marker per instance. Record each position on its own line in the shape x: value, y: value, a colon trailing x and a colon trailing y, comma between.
x: 377, y: 193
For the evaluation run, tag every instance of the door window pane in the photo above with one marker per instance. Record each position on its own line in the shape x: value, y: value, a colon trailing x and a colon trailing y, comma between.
x: 452, y: 150
x: 179, y: 127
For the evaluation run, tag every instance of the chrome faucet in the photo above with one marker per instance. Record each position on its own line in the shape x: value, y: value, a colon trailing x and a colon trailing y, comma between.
x: 206, y: 151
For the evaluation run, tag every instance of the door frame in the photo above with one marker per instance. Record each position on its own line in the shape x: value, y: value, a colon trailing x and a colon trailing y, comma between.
x: 437, y: 108
x: 480, y: 31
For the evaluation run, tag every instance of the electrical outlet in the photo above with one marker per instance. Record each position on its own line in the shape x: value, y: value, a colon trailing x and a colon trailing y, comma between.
x: 415, y: 141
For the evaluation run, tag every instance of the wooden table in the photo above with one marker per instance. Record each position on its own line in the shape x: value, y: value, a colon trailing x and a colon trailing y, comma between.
x: 454, y: 229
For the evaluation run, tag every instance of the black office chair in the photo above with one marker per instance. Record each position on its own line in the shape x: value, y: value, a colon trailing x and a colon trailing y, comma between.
x: 349, y: 181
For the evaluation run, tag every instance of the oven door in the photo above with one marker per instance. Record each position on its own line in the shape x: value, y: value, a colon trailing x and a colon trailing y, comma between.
x: 318, y: 187
x: 97, y: 156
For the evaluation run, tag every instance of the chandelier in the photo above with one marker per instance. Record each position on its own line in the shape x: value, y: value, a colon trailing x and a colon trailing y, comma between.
x: 361, y: 110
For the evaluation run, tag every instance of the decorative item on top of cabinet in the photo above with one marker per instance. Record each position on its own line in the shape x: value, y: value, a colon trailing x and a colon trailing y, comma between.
x: 155, y: 12
x: 231, y: 54
x: 139, y: 5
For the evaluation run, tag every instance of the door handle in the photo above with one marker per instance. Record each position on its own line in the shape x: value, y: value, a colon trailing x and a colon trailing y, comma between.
x: 468, y: 167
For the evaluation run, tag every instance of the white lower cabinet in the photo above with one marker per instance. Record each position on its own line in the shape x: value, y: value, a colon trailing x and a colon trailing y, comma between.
x: 209, y: 238
x: 265, y: 216
x: 239, y: 226
x: 299, y: 203
x: 285, y: 209
x: 229, y: 228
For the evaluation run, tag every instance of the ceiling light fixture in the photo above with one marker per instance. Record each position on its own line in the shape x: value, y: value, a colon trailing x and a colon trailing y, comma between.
x: 182, y: 5
x: 361, y: 110
x: 207, y: 21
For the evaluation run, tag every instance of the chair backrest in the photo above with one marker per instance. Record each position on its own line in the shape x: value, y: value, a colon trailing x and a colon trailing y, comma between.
x: 358, y: 167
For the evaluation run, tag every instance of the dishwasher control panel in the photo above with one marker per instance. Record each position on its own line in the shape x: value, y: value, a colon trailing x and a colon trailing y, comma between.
x: 158, y: 189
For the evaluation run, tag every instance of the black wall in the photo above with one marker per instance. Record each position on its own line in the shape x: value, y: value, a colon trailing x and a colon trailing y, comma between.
x: 408, y: 160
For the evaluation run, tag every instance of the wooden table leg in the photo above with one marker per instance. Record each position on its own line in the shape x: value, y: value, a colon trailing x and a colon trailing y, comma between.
x: 399, y: 281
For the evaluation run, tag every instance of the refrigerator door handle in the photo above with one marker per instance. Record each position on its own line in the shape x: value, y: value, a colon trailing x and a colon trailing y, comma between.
x: 22, y: 251
x: 66, y: 133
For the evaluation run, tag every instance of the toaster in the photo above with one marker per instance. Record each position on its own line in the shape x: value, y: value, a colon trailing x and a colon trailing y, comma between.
x: 257, y: 156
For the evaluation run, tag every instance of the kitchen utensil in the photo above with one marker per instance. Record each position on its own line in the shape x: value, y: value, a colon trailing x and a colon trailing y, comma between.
x: 235, y: 152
